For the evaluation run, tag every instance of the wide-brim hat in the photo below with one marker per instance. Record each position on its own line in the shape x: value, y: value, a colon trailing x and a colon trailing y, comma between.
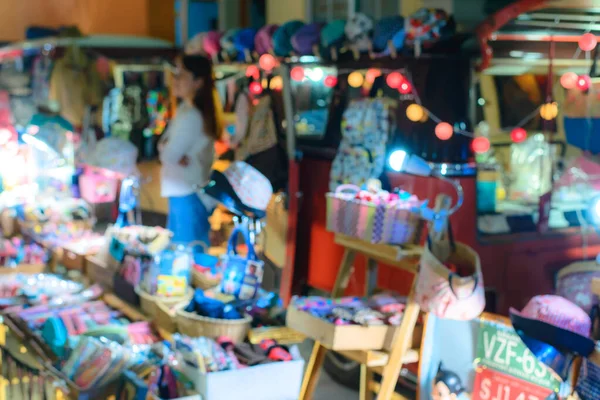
x: 555, y: 330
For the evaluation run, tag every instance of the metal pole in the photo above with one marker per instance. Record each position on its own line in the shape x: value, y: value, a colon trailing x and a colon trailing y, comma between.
x: 184, y: 7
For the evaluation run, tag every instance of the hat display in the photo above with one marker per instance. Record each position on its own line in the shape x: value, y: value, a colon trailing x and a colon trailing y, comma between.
x: 244, y: 42
x: 228, y: 43
x: 333, y: 34
x: 282, y: 38
x: 555, y: 330
x: 306, y: 38
x: 386, y: 30
x: 263, y: 41
x: 358, y: 31
x: 212, y: 43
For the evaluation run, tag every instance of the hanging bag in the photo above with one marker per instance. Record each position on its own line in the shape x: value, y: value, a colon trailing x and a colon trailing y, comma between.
x: 443, y: 292
x: 262, y: 133
x: 242, y: 276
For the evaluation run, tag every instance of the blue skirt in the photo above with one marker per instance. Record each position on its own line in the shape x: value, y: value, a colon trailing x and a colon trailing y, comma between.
x: 188, y: 219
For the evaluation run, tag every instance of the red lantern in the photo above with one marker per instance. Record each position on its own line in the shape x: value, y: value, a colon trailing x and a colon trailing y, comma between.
x: 394, y: 80
x: 267, y: 62
x: 480, y: 145
x: 518, y: 135
x: 569, y: 80
x: 583, y: 82
x: 255, y: 88
x: 330, y: 81
x: 297, y: 74
x: 588, y: 42
x: 253, y: 72
x: 444, y: 131
x: 405, y: 87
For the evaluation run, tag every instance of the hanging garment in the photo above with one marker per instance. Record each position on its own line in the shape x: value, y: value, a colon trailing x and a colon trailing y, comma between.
x: 385, y: 31
x: 361, y: 155
x: 282, y: 38
x: 428, y: 26
x: 306, y: 38
x: 263, y: 41
x: 261, y: 133
x: 74, y: 86
x: 42, y: 71
x: 124, y: 112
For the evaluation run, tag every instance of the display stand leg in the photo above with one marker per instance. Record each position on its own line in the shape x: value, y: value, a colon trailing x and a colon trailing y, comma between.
x: 313, y: 372
x: 401, y: 345
x: 341, y: 282
x: 370, y: 277
x: 366, y: 376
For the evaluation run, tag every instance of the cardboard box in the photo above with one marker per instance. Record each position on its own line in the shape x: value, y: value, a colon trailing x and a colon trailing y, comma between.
x: 276, y: 381
x: 100, y: 272
x: 344, y: 337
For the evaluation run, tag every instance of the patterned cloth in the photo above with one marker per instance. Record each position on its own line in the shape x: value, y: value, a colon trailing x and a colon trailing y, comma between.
x: 575, y: 285
x: 426, y: 25
x: 358, y: 31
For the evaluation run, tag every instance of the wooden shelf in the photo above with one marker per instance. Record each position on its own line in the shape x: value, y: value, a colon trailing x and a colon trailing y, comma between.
x: 378, y: 359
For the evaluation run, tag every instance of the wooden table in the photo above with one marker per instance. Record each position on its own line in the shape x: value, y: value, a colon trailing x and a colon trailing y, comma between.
x: 388, y: 364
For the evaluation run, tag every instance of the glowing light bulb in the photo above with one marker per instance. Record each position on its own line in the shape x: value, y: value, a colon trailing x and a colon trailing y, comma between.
x: 415, y: 112
x: 372, y: 74
x: 588, y: 42
x: 253, y: 72
x: 518, y: 135
x: 330, y: 81
x: 549, y: 111
x: 276, y: 83
x: 394, y: 80
x: 297, y: 74
x: 480, y: 145
x: 583, y: 82
x: 405, y: 87
x: 444, y: 131
x: 397, y: 159
x: 316, y: 74
x: 356, y: 79
x: 255, y: 88
x: 569, y: 80
x: 267, y: 62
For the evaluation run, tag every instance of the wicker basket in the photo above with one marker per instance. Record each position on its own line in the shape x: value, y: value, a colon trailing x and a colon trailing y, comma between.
x: 203, y: 281
x: 166, y: 316
x: 149, y: 303
x: 195, y: 326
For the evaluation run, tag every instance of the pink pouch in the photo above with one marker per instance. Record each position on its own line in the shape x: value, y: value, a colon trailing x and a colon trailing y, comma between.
x: 573, y: 283
x: 447, y: 295
x: 263, y: 41
x: 97, y: 188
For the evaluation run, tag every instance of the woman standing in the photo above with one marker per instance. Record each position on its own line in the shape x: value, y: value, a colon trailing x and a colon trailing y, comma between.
x: 187, y: 150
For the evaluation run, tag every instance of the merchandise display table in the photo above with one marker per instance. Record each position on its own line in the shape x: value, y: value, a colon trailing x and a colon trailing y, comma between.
x: 387, y: 364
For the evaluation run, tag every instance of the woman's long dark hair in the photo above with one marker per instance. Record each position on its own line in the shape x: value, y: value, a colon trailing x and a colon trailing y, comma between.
x: 204, y: 100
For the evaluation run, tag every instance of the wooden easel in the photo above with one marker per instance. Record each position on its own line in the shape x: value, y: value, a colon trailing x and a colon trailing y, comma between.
x: 387, y: 364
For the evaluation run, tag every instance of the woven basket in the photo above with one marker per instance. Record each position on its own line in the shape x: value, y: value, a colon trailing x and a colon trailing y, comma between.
x: 203, y: 281
x: 196, y: 326
x: 149, y: 303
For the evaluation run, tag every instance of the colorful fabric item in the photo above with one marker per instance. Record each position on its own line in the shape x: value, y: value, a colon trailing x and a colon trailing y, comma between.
x: 446, y: 294
x: 282, y: 38
x: 42, y: 71
x: 263, y: 42
x: 244, y: 42
x: 573, y: 283
x: 385, y: 31
x: 427, y: 25
x: 306, y: 38
x: 361, y: 155
x: 188, y: 219
x: 588, y: 385
x: 333, y: 34
x: 358, y: 31
x: 559, y: 312
x: 260, y: 133
x: 195, y: 46
x: 228, y: 43
x: 252, y: 187
x: 242, y: 276
x: 212, y: 43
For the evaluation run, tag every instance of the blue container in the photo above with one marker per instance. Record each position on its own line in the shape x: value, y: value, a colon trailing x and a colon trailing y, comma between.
x: 486, y: 196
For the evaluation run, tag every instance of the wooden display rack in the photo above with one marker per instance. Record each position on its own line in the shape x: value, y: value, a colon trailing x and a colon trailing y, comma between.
x: 387, y: 364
